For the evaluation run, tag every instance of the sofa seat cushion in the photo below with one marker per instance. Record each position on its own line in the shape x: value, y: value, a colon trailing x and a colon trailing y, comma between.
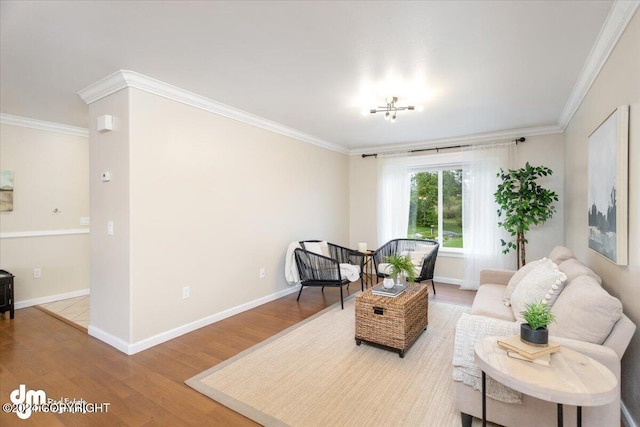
x: 585, y: 311
x: 488, y: 302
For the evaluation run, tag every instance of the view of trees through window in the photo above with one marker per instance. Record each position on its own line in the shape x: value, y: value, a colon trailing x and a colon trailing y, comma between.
x: 436, y: 206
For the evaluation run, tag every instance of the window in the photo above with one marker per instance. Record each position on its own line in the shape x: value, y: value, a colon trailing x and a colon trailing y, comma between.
x: 435, y: 207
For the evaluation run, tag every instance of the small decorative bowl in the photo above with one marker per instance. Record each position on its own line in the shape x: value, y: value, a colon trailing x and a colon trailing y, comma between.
x: 388, y: 283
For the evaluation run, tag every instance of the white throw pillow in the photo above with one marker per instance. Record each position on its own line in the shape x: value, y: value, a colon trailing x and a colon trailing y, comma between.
x: 516, y: 278
x: 320, y: 248
x: 384, y: 268
x: 543, y: 283
x: 425, y: 248
x: 417, y: 257
x: 324, y: 247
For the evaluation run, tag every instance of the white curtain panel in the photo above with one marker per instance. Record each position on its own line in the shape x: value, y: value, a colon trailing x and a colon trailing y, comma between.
x: 394, y: 187
x: 482, y: 248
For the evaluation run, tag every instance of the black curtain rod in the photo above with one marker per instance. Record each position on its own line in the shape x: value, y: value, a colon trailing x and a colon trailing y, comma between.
x: 436, y: 149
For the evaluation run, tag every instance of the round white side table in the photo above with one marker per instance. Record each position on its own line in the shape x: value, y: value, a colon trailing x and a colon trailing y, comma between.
x: 571, y: 379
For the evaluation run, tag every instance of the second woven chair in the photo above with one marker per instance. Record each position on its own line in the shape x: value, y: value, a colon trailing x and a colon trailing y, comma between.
x: 423, y: 253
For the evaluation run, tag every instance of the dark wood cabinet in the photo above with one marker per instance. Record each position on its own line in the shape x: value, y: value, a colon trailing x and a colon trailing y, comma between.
x: 6, y: 292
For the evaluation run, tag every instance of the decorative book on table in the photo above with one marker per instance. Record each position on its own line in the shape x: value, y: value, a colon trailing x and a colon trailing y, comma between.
x: 393, y: 292
x: 530, y: 352
x: 544, y: 360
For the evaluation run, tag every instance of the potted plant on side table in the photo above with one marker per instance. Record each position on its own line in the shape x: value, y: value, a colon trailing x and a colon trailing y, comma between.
x: 537, y: 315
x: 401, y: 265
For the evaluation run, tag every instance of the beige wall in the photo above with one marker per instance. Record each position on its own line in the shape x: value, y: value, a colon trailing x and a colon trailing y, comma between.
x: 544, y: 150
x: 363, y: 201
x: 617, y: 84
x: 50, y: 172
x: 211, y: 201
x: 110, y: 201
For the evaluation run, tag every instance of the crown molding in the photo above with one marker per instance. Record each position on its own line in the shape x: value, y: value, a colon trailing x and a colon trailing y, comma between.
x: 130, y: 79
x: 8, y: 119
x: 619, y: 16
x: 457, y: 140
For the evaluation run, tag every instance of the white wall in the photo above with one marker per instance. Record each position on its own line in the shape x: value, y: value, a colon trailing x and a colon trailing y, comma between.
x: 211, y: 201
x: 617, y: 84
x: 50, y: 172
x: 544, y: 150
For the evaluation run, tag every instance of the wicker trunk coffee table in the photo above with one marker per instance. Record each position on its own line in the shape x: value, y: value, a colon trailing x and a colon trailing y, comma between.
x: 392, y: 323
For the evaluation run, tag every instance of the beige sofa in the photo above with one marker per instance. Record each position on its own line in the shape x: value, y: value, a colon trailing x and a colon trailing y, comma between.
x: 588, y: 320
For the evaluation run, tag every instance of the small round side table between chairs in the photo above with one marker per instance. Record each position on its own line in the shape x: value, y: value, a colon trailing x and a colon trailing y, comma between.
x: 368, y: 270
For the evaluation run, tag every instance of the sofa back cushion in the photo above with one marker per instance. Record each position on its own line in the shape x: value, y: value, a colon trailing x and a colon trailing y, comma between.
x: 574, y: 268
x: 543, y: 283
x: 560, y: 254
x: 585, y: 311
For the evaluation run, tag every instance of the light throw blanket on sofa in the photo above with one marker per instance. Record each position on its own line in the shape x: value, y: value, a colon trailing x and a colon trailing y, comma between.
x: 471, y: 329
x: 349, y: 271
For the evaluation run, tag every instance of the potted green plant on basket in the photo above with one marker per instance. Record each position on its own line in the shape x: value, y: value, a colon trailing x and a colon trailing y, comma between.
x: 537, y: 315
x: 401, y: 265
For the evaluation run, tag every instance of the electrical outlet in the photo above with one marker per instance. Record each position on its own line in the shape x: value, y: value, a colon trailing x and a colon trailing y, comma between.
x: 186, y: 292
x: 84, y: 220
x: 37, y: 273
x: 110, y: 228
x: 263, y: 273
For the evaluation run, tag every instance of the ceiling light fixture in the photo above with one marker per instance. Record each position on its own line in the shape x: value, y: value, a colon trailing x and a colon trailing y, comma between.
x: 391, y: 109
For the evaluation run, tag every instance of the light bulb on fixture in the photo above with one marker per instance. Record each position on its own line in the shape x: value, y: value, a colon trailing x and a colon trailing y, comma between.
x: 391, y: 109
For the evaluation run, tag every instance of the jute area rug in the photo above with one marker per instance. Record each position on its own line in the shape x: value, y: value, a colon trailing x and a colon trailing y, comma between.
x: 313, y: 374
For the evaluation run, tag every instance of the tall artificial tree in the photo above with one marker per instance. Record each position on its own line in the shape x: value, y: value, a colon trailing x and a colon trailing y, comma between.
x: 523, y: 203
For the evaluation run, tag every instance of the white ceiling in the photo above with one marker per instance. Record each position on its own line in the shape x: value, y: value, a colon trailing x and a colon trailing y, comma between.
x: 476, y: 67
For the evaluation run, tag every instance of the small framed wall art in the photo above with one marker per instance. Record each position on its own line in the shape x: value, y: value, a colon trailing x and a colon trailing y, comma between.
x: 6, y: 191
x: 609, y: 187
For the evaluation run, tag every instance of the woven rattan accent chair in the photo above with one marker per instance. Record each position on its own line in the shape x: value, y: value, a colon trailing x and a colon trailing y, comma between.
x: 320, y: 270
x: 400, y: 246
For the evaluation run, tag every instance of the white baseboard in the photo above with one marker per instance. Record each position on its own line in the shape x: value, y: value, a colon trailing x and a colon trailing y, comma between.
x: 627, y: 419
x: 448, y: 280
x: 184, y: 329
x: 107, y: 338
x: 51, y: 298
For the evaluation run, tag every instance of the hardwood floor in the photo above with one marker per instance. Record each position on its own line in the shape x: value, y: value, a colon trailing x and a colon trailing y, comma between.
x: 145, y: 389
